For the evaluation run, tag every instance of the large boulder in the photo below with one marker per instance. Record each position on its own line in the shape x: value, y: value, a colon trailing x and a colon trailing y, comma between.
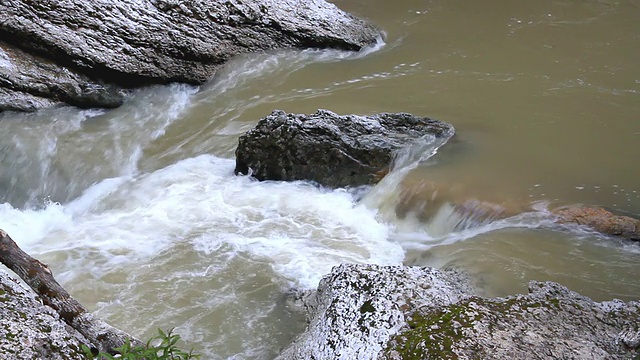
x: 333, y: 150
x: 357, y: 309
x: 377, y: 312
x: 133, y: 43
x: 31, y: 330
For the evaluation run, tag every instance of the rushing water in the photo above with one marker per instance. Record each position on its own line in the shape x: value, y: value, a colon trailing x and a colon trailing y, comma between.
x: 139, y: 214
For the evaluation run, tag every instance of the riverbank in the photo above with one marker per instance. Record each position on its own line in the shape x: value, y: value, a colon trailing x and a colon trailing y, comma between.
x: 545, y: 123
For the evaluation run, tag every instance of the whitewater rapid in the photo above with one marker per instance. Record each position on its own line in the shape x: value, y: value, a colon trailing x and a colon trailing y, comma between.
x: 140, y: 216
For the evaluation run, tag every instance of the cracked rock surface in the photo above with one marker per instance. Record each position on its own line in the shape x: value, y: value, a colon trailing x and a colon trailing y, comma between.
x: 138, y: 42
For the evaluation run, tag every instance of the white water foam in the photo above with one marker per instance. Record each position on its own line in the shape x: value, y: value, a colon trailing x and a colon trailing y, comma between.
x: 300, y: 229
x: 28, y: 227
x: 441, y: 230
x: 48, y: 152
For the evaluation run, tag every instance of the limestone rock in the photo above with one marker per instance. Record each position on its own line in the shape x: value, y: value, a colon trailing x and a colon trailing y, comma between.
x: 397, y: 312
x: 358, y: 308
x: 332, y: 150
x: 551, y: 322
x: 31, y: 330
x: 138, y: 42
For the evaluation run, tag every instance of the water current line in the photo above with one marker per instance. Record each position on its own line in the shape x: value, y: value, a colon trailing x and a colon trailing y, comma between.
x: 384, y: 195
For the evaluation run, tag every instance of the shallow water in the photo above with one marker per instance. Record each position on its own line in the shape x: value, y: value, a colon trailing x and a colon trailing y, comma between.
x: 139, y: 214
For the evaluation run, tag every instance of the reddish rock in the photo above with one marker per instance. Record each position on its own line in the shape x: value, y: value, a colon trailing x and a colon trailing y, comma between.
x: 601, y: 220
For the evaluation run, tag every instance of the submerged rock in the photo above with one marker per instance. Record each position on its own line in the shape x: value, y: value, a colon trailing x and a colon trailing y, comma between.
x: 330, y: 149
x: 425, y: 199
x: 133, y: 43
x: 377, y: 312
x: 31, y: 330
x: 600, y: 220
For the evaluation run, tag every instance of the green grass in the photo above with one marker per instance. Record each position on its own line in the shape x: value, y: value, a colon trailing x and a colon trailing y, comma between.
x: 160, y: 347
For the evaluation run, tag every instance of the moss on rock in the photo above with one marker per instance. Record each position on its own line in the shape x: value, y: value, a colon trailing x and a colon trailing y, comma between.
x: 550, y: 322
x: 31, y: 330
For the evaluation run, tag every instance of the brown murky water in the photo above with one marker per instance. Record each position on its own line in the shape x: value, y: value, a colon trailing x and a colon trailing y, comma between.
x: 545, y: 97
x: 140, y: 216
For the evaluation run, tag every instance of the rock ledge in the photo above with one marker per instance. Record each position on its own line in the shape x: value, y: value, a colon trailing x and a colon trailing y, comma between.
x: 72, y: 51
x: 379, y: 312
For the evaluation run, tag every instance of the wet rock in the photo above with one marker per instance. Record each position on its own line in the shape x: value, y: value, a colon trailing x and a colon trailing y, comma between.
x: 332, y: 150
x: 30, y: 330
x: 13, y: 100
x: 396, y: 312
x: 134, y: 43
x: 425, y: 199
x: 358, y: 308
x: 600, y: 220
x: 29, y: 82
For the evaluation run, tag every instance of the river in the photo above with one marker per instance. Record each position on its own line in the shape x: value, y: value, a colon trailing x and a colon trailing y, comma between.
x: 139, y: 215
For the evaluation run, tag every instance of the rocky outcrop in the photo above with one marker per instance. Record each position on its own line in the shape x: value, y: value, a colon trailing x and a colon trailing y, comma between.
x: 30, y: 330
x: 332, y: 150
x: 600, y: 220
x: 551, y: 322
x: 132, y: 43
x: 351, y: 150
x: 358, y: 308
x: 374, y: 312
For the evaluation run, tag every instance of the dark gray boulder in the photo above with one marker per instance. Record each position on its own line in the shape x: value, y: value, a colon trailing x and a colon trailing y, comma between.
x: 332, y: 150
x: 396, y: 312
x: 31, y: 330
x: 133, y: 43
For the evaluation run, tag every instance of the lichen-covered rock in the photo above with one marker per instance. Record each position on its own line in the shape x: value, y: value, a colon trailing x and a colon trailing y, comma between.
x: 31, y: 330
x: 138, y: 42
x: 332, y: 150
x: 397, y: 312
x: 600, y: 220
x: 551, y: 322
x: 358, y: 308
